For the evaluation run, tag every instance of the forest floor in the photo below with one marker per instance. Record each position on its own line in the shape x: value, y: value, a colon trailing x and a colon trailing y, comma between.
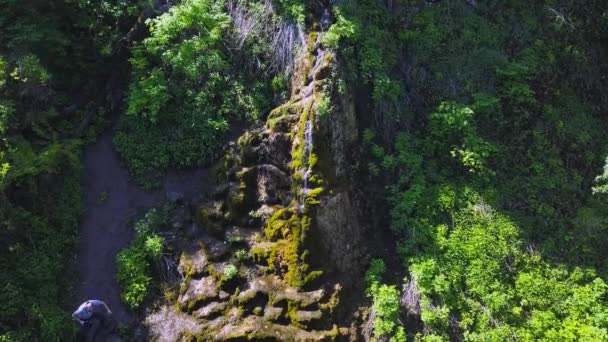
x: 111, y: 202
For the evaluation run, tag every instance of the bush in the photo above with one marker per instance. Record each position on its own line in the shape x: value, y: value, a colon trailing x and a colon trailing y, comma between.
x: 386, y: 301
x: 134, y: 263
x: 501, y: 292
x: 187, y: 88
x: 230, y: 271
x: 386, y: 308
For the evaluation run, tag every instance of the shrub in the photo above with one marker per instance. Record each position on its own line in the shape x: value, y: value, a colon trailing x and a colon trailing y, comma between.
x: 134, y: 263
x: 187, y: 88
x: 385, y: 303
x: 386, y: 308
x: 230, y: 271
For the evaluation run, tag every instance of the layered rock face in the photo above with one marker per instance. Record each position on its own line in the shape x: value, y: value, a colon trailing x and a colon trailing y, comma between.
x: 276, y: 244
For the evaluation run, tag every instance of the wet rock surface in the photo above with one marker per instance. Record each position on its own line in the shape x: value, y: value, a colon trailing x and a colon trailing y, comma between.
x: 249, y: 279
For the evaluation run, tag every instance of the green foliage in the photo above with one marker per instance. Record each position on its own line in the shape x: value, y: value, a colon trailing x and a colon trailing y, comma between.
x: 149, y: 95
x: 499, y: 290
x: 133, y: 275
x: 29, y: 69
x: 293, y: 9
x: 386, y: 308
x: 343, y: 28
x: 602, y: 181
x: 230, y: 271
x: 241, y: 255
x: 453, y: 127
x: 187, y: 87
x: 51, y: 51
x: 134, y: 263
x: 490, y: 189
x: 280, y: 86
x: 324, y: 107
x: 41, y: 237
x: 385, y: 303
x: 375, y: 271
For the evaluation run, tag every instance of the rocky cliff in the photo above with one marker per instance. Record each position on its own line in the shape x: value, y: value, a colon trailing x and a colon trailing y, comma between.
x: 273, y: 249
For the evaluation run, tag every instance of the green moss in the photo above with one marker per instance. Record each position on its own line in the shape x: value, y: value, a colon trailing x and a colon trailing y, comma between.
x: 259, y: 254
x: 312, y: 38
x: 288, y: 252
x: 297, y: 154
x: 312, y: 276
x: 245, y: 139
x: 312, y: 196
x: 215, y: 274
x: 292, y: 313
x: 276, y: 224
x: 246, y: 177
x: 281, y: 116
x: 236, y: 201
x: 333, y: 301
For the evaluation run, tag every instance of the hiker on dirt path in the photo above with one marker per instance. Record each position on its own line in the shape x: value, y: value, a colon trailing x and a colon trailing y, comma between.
x: 96, y: 322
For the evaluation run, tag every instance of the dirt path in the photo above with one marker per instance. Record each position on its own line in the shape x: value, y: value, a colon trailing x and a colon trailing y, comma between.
x: 105, y: 224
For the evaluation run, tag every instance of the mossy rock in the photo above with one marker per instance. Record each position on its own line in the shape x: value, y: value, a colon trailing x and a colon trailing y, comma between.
x: 325, y: 68
x: 211, y: 219
x: 197, y: 293
x: 272, y: 313
x: 276, y: 225
x: 242, y: 198
x: 281, y: 118
x: 193, y: 263
x: 312, y: 196
x: 247, y: 177
x: 247, y: 139
x: 261, y: 251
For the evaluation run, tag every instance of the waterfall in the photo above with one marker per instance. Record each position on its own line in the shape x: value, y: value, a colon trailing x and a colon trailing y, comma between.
x: 308, y: 128
x: 307, y: 156
x: 302, y: 37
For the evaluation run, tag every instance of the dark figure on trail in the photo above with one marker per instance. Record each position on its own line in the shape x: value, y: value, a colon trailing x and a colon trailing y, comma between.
x: 96, y: 322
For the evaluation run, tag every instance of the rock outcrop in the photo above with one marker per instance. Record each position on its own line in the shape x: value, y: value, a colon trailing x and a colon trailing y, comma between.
x: 280, y: 237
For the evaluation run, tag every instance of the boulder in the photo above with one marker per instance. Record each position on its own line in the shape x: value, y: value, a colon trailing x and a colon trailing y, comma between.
x: 273, y: 185
x: 198, y: 291
x: 343, y: 238
x: 193, y: 262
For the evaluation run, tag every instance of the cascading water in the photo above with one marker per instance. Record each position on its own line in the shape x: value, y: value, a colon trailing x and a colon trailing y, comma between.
x: 309, y: 96
x: 302, y: 36
x: 307, y: 155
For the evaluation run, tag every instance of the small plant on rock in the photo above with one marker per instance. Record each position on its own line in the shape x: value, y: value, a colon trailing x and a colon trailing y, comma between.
x: 230, y: 272
x: 241, y: 255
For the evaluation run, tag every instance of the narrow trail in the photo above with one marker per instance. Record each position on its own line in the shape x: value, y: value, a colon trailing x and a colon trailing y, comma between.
x: 105, y: 228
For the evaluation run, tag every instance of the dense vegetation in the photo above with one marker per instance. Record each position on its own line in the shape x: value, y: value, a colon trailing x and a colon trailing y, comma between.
x: 485, y: 126
x: 135, y: 263
x: 49, y: 53
x: 205, y: 65
x: 494, y: 140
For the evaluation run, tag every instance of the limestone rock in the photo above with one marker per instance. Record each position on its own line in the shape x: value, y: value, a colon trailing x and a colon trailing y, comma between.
x: 302, y: 316
x: 169, y: 324
x: 215, y: 249
x: 211, y: 309
x: 240, y: 235
x: 273, y: 185
x: 276, y: 150
x: 199, y: 291
x: 272, y: 313
x: 303, y: 298
x: 342, y: 235
x: 193, y: 262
